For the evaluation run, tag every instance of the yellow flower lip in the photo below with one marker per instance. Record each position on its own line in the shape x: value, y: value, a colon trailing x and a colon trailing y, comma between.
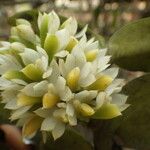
x: 24, y: 100
x: 72, y: 43
x: 33, y: 72
x: 73, y: 78
x: 32, y: 126
x: 51, y: 45
x: 14, y: 74
x: 91, y: 55
x: 86, y: 110
x: 50, y: 100
x: 101, y: 83
x: 107, y: 111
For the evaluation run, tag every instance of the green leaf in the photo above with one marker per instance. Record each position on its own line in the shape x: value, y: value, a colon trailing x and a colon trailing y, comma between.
x: 130, y: 46
x: 135, y: 125
x: 107, y: 111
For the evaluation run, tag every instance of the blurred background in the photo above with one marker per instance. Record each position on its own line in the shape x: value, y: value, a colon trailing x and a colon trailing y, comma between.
x: 103, y: 16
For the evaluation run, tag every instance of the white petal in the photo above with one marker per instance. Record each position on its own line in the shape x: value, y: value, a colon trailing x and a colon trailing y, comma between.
x: 63, y: 37
x: 58, y: 131
x: 54, y: 22
x: 55, y: 72
x: 66, y: 95
x: 70, y: 63
x: 72, y: 120
x: 61, y: 105
x: 5, y: 44
x: 60, y: 84
x: 29, y: 56
x: 103, y: 63
x: 102, y: 52
x: 62, y: 68
x: 44, y: 113
x: 41, y: 52
x: 82, y: 32
x: 19, y: 81
x: 80, y: 58
x: 47, y: 73
x: 9, y: 94
x: 70, y: 110
x: 112, y: 72
x: 123, y: 107
x: 35, y: 89
x: 9, y: 62
x: 85, y: 70
x: 48, y: 124
x: 119, y: 99
x: 39, y: 20
x: 90, y: 41
x: 41, y: 87
x: 87, y: 81
x: 115, y: 86
x: 4, y: 83
x: 62, y: 54
x: 71, y: 25
x: 24, y: 118
x: 92, y: 46
x: 19, y: 112
x: 42, y: 63
x: 12, y: 104
x: 100, y: 100
x: 86, y: 96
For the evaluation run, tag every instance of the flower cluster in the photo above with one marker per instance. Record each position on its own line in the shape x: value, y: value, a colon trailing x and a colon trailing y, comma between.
x: 56, y: 77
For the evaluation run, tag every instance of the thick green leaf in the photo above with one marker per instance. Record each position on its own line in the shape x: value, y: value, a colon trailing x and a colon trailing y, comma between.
x: 135, y: 125
x: 130, y: 46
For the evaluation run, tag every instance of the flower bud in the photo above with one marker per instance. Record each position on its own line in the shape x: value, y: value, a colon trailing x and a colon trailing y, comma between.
x: 86, y: 110
x: 19, y: 47
x: 23, y: 21
x: 26, y: 33
x: 71, y: 25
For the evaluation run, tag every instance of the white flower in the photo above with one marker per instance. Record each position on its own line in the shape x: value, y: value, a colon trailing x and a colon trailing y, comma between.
x: 56, y: 78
